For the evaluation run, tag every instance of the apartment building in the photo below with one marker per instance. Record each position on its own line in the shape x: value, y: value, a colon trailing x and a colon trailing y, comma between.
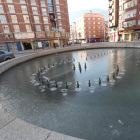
x: 113, y: 13
x: 73, y: 33
x: 128, y: 27
x: 28, y: 23
x: 90, y: 27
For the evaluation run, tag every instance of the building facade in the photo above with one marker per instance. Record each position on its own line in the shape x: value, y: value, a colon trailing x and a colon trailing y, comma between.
x: 73, y: 33
x: 28, y: 23
x: 90, y: 27
x: 128, y: 19
x: 113, y: 19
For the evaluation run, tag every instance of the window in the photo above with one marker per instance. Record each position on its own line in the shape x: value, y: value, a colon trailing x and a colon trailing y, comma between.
x: 99, y: 27
x: 33, y: 2
x: 50, y: 9
x: 42, y: 2
x: 14, y: 19
x: 28, y: 28
x: 94, y: 27
x: 94, y: 31
x: 120, y: 17
x: 46, y: 28
x: 16, y: 28
x: 98, y: 22
x: 1, y: 52
x: 138, y: 22
x: 1, y: 9
x: 44, y: 12
x: 36, y: 19
x: 98, y: 18
x: 3, y: 19
x: 59, y: 15
x: 49, y: 2
x: 57, y: 1
x: 59, y: 22
x: 58, y: 8
x: 5, y: 28
x: 94, y: 35
x: 9, y: 1
x: 26, y: 18
x: 88, y: 18
x: 11, y: 8
x: 93, y: 18
x: 22, y: 1
x: 34, y: 9
x: 38, y: 28
x: 120, y: 8
x: 45, y: 19
x: 93, y: 22
x: 24, y: 9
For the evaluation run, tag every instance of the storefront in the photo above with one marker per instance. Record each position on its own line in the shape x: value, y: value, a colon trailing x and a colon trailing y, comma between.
x: 127, y: 35
x: 136, y: 36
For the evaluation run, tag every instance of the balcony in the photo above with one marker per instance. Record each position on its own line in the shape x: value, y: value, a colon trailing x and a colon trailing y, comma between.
x: 6, y: 31
x: 111, y: 3
x: 17, y: 30
x: 130, y: 4
x: 111, y: 11
x: 129, y: 14
x: 128, y: 24
x: 110, y: 18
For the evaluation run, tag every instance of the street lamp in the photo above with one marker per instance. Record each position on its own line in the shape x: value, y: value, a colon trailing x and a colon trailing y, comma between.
x: 57, y: 33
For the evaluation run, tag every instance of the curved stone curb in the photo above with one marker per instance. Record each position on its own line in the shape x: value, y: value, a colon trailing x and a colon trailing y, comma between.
x: 12, y: 128
x: 15, y: 129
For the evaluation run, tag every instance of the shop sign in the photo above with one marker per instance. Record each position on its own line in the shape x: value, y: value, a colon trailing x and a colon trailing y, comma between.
x: 40, y: 35
x: 50, y: 34
x: 128, y: 32
x: 57, y: 35
x: 24, y: 35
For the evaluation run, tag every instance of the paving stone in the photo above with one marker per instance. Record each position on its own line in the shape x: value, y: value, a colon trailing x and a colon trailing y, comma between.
x: 58, y: 136
x: 20, y: 130
x: 5, y: 118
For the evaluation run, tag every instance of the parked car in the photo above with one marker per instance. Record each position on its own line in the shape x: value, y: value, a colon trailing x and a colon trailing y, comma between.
x: 5, y: 56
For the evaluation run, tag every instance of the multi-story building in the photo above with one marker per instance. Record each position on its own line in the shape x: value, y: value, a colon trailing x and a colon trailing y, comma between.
x: 128, y: 27
x: 106, y: 36
x: 90, y: 27
x: 73, y: 33
x: 113, y: 12
x: 28, y: 23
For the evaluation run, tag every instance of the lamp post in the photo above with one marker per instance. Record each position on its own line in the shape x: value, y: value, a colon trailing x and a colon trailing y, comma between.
x: 57, y: 33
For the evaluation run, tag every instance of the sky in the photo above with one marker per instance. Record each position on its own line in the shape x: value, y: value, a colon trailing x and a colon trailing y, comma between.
x: 77, y: 5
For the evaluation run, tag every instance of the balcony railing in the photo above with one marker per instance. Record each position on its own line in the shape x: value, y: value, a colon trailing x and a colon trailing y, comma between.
x: 128, y: 24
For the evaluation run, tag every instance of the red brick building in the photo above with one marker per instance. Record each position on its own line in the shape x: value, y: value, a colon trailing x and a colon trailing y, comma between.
x: 27, y: 22
x: 90, y: 27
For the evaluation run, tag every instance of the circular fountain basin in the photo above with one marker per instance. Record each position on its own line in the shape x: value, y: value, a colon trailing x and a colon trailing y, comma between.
x: 109, y: 110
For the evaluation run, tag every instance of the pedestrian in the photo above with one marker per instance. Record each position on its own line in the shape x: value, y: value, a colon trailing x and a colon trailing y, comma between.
x: 63, y: 45
x: 54, y: 46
